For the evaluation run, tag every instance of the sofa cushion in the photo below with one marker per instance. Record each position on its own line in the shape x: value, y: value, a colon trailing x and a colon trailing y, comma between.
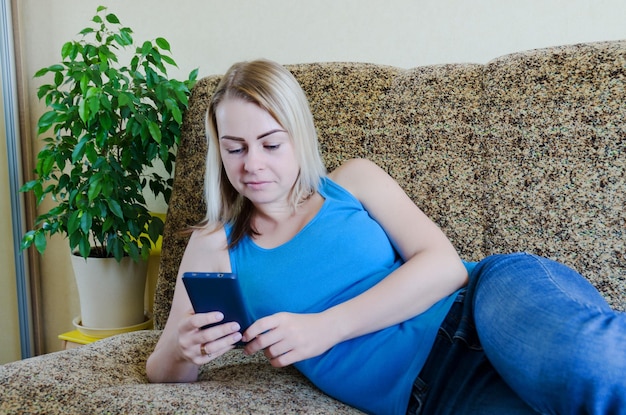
x: 63, y: 382
x: 429, y: 142
x: 555, y: 159
x: 232, y: 384
x: 108, y: 377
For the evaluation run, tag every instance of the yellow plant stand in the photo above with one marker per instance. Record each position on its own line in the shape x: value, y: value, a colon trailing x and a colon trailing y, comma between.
x: 75, y: 338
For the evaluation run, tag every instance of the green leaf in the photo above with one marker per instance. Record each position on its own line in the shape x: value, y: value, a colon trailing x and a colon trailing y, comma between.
x: 124, y: 99
x: 84, y: 82
x: 105, y: 121
x: 173, y: 107
x: 155, y: 229
x: 146, y: 48
x: 28, y: 186
x: 145, y: 251
x: 94, y: 105
x: 75, y: 239
x: 40, y: 242
x: 47, y: 164
x: 133, y: 251
x: 125, y: 37
x: 73, y: 223
x: 79, y: 151
x: 66, y: 49
x: 27, y: 240
x: 155, y: 131
x: 44, y: 90
x: 56, y: 68
x: 41, y: 72
x: 107, y: 189
x: 193, y: 75
x: 94, y: 188
x: 90, y: 152
x: 47, y: 120
x: 115, y: 208
x: 108, y: 223
x: 84, y: 248
x: 58, y: 79
x: 111, y: 18
x: 169, y: 60
x: 115, y: 248
x: 87, y: 30
x: 83, y: 110
x: 162, y: 43
x: 85, y: 222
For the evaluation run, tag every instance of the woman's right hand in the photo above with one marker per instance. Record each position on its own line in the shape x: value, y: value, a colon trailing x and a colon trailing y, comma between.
x: 178, y: 354
x: 201, y: 345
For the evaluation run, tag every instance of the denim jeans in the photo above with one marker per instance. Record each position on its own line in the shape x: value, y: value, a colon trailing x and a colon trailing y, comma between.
x: 528, y: 335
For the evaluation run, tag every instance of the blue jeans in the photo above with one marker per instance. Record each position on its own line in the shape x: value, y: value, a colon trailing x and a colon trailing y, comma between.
x: 528, y: 335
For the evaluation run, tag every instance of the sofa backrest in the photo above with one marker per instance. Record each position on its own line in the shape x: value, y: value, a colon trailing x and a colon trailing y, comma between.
x: 429, y: 144
x: 555, y: 159
x: 526, y: 152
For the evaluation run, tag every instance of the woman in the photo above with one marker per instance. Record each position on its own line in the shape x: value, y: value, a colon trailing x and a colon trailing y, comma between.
x: 349, y: 281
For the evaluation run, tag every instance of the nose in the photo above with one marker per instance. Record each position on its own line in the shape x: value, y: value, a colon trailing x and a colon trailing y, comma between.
x: 254, y: 160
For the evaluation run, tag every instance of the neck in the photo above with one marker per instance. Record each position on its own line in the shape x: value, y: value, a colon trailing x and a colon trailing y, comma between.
x: 278, y: 225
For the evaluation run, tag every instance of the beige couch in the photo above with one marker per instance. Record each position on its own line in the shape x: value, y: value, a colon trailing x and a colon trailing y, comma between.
x: 526, y: 152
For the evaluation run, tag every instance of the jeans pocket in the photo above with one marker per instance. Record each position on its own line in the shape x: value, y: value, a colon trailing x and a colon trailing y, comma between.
x: 418, y: 397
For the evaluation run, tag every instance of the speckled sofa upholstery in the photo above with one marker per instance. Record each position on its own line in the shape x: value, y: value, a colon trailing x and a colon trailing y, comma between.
x: 526, y: 152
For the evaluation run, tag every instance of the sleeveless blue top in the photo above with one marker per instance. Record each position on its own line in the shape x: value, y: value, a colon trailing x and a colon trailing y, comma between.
x: 339, y: 254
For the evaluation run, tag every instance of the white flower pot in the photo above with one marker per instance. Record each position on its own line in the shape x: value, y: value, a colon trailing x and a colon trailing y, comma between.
x: 111, y: 294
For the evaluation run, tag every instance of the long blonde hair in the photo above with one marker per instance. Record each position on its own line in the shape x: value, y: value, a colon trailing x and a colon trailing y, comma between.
x: 274, y: 89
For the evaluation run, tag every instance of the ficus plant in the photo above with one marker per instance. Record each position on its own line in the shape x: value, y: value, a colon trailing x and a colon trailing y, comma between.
x: 106, y: 127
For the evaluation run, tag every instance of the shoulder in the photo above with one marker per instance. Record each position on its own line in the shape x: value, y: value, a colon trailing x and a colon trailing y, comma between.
x: 207, y: 249
x: 214, y: 238
x: 361, y: 177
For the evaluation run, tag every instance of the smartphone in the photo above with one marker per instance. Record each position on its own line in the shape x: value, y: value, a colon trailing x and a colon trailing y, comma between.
x: 217, y: 291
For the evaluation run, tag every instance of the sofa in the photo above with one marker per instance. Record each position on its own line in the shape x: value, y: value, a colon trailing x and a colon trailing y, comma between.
x: 524, y: 153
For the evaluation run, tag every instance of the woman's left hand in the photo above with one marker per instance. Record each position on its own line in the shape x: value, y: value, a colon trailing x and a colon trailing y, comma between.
x: 287, y: 338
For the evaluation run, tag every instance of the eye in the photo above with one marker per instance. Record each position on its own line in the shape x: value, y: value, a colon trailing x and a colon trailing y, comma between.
x: 237, y: 150
x: 272, y: 147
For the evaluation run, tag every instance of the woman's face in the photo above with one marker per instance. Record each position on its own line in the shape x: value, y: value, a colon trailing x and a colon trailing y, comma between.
x: 257, y: 153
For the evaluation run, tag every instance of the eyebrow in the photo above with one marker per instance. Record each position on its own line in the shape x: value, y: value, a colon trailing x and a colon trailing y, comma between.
x: 230, y: 137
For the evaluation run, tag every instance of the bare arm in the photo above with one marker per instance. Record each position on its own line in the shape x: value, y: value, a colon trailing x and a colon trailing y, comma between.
x: 432, y: 269
x: 177, y: 357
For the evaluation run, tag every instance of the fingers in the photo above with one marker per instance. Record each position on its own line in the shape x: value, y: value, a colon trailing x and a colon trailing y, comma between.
x: 201, y: 344
x: 286, y: 338
x: 260, y: 335
x: 269, y: 335
x: 197, y: 321
x: 212, y: 350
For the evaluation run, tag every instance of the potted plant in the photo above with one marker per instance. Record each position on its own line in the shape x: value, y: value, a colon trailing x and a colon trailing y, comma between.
x: 113, y: 130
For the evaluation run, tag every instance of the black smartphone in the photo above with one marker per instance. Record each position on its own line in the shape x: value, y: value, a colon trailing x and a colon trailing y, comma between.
x: 217, y: 291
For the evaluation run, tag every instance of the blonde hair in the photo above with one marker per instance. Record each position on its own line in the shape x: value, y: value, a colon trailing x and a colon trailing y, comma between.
x: 274, y: 89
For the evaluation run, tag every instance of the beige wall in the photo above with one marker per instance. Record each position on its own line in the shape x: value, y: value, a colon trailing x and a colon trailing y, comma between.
x: 212, y: 34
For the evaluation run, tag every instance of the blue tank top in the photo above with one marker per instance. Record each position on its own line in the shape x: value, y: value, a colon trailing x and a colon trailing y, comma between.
x: 339, y: 254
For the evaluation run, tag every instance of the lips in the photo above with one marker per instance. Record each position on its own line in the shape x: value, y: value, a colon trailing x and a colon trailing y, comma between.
x: 256, y: 185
